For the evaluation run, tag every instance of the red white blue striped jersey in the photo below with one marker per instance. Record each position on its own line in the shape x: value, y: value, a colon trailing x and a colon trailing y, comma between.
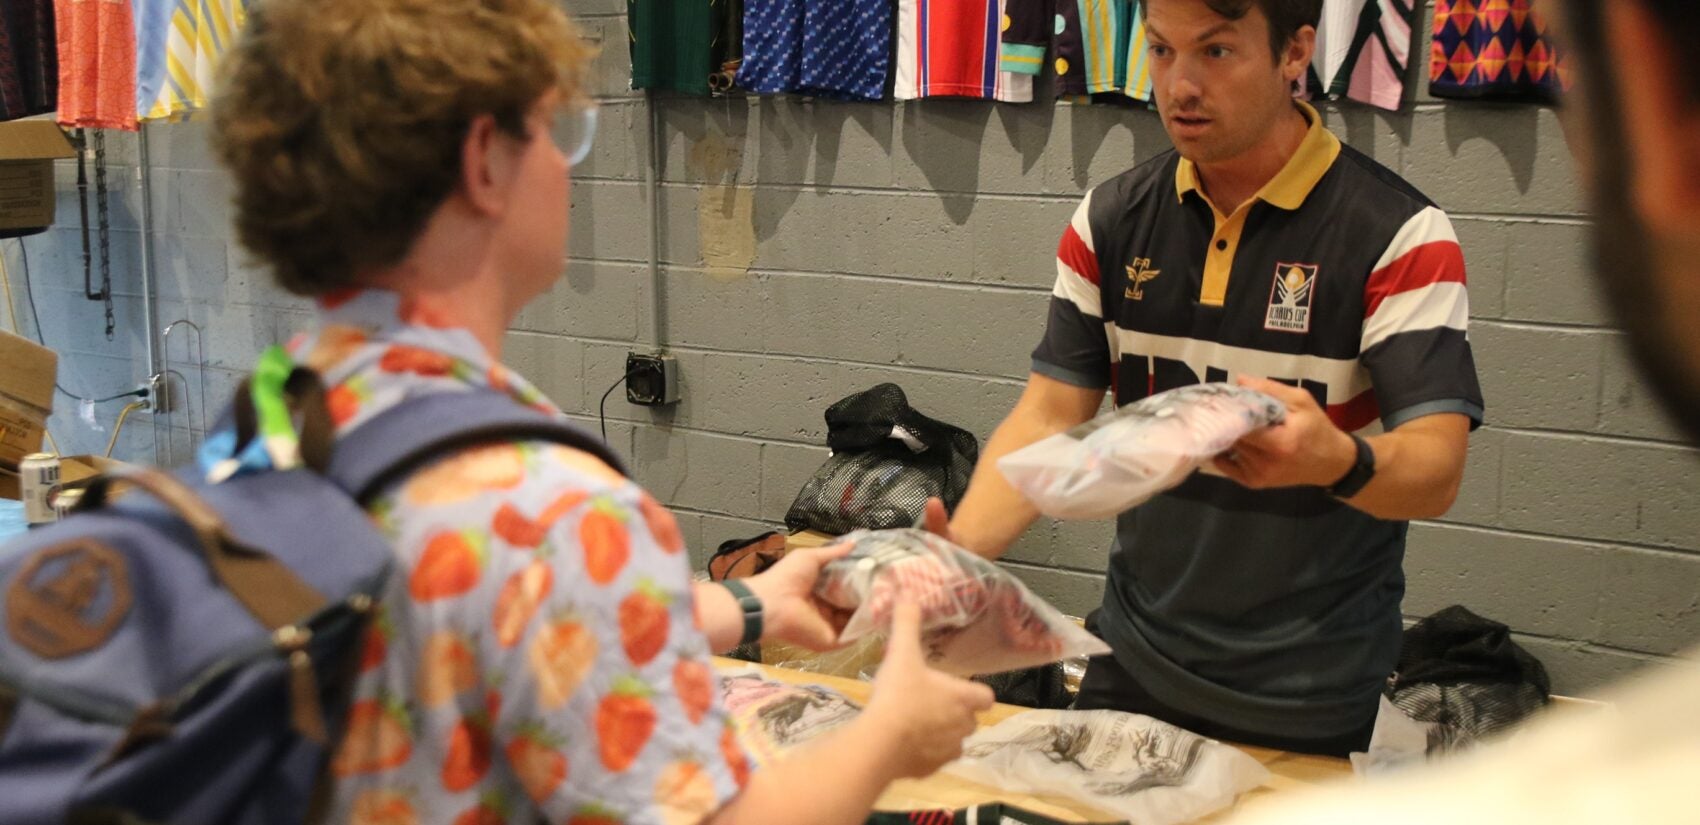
x: 949, y: 48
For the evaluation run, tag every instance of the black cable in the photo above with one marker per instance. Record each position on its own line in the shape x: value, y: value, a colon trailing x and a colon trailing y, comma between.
x: 602, y: 408
x: 40, y: 337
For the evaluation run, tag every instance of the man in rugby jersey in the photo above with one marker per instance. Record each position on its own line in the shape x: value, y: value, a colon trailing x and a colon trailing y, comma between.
x: 1635, y: 125
x: 1260, y: 605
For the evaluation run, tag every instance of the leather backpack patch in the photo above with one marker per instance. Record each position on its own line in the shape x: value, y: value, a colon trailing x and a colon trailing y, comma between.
x: 68, y: 599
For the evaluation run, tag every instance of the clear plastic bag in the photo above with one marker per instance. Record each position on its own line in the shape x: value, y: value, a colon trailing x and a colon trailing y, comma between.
x: 1146, y: 770
x: 976, y: 617
x: 1122, y: 458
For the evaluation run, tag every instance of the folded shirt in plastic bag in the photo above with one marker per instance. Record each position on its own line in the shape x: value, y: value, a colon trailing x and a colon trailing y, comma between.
x: 1129, y: 765
x: 976, y: 617
x: 772, y: 717
x: 1124, y: 457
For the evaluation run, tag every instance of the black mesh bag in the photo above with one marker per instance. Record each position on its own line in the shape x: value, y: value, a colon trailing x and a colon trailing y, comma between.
x: 1465, y: 674
x: 887, y: 460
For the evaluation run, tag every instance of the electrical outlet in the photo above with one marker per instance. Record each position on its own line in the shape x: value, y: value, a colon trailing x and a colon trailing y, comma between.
x: 161, y: 398
x: 652, y: 380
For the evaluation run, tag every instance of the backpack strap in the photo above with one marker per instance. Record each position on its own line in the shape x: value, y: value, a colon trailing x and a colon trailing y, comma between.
x: 406, y: 437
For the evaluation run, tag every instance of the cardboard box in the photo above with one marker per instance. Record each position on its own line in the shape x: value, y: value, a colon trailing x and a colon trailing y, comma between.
x: 76, y: 468
x: 27, y: 151
x: 27, y: 373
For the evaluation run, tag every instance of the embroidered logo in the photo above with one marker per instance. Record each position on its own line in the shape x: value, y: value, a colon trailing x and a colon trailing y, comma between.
x: 1290, y: 298
x: 1137, y: 275
x: 68, y: 599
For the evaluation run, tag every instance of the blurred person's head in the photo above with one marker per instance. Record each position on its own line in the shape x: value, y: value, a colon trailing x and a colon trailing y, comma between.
x: 1223, y: 70
x: 1636, y: 124
x: 403, y: 143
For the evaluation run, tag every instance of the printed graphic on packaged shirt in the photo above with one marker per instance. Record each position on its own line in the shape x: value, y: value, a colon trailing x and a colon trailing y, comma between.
x: 773, y: 717
x: 1133, y: 766
x: 1290, y: 298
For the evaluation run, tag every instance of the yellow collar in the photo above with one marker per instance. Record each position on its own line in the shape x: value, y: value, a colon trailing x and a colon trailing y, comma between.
x: 1289, y: 188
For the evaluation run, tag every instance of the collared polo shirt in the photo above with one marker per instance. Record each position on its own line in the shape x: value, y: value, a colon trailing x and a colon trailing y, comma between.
x: 1274, y: 611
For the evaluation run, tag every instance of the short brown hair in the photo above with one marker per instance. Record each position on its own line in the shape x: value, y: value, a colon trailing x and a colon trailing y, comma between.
x: 1286, y: 17
x: 342, y: 121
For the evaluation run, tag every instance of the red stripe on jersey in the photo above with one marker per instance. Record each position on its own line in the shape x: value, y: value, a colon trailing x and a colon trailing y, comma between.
x: 1072, y: 250
x: 1355, y: 414
x: 956, y: 48
x: 1432, y: 263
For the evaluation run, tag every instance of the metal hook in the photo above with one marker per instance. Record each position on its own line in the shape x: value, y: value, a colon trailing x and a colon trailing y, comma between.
x: 196, y: 349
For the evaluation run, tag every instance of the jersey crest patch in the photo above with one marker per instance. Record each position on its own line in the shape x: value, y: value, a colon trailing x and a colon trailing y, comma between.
x: 1290, y: 298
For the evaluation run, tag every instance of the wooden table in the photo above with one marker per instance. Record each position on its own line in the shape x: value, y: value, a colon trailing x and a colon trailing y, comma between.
x: 1288, y: 771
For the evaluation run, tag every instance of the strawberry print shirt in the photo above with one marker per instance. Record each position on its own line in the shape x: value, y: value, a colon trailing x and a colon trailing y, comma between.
x: 535, y: 652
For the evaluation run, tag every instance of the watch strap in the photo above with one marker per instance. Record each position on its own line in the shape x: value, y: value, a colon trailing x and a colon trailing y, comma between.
x: 751, y: 606
x: 1363, y: 469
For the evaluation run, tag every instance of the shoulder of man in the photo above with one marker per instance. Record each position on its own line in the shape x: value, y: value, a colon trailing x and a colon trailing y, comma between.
x: 1127, y: 190
x: 1371, y: 183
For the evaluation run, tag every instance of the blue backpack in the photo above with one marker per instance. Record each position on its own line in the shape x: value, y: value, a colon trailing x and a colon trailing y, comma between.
x: 184, y: 655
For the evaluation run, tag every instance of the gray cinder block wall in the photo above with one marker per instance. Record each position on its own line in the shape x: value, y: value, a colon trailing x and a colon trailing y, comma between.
x: 810, y: 250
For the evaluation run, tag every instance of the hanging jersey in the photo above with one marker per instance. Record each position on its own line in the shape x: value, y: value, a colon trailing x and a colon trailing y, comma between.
x: 1495, y: 49
x: 178, y: 46
x: 1099, y: 46
x: 29, y: 64
x: 97, y: 64
x: 773, y: 46
x: 678, y: 46
x: 1362, y: 50
x: 846, y: 49
x: 1035, y: 26
x: 949, y: 48
x: 838, y: 50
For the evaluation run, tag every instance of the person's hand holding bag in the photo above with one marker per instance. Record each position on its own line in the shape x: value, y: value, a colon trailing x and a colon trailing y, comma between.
x: 928, y: 712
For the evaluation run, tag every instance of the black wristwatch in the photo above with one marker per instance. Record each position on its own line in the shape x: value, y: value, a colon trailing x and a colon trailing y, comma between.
x: 1355, y: 479
x: 751, y: 606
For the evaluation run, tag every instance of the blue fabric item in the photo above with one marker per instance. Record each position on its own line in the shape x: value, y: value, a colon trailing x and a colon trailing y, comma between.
x: 153, y: 34
x: 129, y: 631
x: 11, y: 519
x: 773, y: 46
x: 847, y: 49
x: 838, y: 50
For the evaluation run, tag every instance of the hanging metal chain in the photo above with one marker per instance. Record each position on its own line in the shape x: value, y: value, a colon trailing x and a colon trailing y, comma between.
x: 105, y: 228
x: 82, y: 139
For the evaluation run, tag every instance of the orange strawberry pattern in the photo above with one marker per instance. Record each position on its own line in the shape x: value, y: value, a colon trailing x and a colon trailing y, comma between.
x: 625, y: 719
x: 383, y: 806
x: 379, y: 737
x: 450, y: 566
x: 447, y: 669
x: 644, y: 622
x: 535, y: 654
x: 686, y: 793
x: 536, y: 756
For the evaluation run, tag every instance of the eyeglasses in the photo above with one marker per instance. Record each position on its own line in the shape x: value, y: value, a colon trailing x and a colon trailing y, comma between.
x: 575, y: 131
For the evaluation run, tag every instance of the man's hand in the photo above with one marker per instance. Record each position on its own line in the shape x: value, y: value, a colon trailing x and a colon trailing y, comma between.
x: 790, y: 612
x: 937, y: 520
x: 1305, y: 449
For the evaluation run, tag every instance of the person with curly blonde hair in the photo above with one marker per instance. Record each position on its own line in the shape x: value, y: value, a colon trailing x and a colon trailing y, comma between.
x: 541, y: 650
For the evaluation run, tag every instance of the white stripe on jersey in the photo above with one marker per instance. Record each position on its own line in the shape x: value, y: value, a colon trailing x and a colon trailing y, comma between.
x: 1076, y: 290
x: 1445, y: 304
x: 1082, y: 221
x: 1071, y: 285
x: 1425, y: 227
x: 1346, y: 378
